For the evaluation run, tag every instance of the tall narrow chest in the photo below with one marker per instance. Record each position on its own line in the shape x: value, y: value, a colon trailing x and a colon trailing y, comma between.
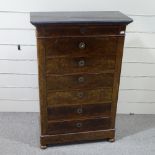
x: 79, y: 61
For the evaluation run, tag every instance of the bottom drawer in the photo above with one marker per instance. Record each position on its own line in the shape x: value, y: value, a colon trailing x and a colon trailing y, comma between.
x: 72, y: 126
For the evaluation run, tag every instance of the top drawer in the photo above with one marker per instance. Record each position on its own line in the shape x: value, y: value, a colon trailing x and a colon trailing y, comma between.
x: 77, y: 30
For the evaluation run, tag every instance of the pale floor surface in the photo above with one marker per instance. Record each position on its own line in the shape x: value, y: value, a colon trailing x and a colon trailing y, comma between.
x: 19, y: 135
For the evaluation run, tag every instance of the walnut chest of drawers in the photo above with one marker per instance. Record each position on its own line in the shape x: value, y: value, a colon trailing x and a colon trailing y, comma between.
x: 79, y: 59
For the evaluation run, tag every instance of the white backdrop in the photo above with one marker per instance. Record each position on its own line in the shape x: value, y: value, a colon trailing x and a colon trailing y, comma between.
x: 18, y: 68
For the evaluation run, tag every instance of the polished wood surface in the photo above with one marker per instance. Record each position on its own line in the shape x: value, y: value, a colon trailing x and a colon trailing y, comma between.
x: 77, y: 30
x: 78, y: 125
x: 58, y: 98
x: 79, y: 66
x: 70, y: 46
x: 77, y: 137
x: 80, y: 81
x: 79, y: 111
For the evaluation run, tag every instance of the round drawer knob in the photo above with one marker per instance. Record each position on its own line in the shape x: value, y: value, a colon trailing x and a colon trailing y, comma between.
x: 81, y: 79
x: 83, y: 30
x: 78, y: 125
x: 80, y: 94
x: 82, y: 45
x: 81, y: 63
x: 79, y: 110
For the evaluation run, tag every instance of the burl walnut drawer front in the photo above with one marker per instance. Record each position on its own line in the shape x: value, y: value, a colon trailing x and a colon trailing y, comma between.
x: 79, y: 125
x: 83, y: 96
x: 77, y: 30
x: 78, y: 111
x: 80, y: 64
x: 79, y: 81
x: 80, y: 46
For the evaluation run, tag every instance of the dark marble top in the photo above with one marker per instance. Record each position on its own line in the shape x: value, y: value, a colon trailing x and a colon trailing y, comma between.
x: 89, y: 17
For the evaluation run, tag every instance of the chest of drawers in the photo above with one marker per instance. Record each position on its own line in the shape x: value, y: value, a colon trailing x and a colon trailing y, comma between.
x: 79, y: 61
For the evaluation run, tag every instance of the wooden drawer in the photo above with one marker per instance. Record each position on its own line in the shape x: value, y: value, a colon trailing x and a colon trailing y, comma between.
x: 76, y: 111
x: 80, y: 46
x: 79, y: 97
x: 79, y: 125
x: 79, y: 81
x: 79, y: 64
x: 77, y: 30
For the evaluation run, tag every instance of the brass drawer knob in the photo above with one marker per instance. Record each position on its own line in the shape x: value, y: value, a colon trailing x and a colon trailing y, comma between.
x: 81, y: 63
x: 80, y: 94
x: 81, y: 79
x: 79, y: 110
x: 78, y: 125
x: 82, y: 45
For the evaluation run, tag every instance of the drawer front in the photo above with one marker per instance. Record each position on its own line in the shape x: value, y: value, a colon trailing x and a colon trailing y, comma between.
x: 78, y: 125
x: 80, y: 81
x: 80, y: 46
x: 77, y: 30
x: 79, y: 64
x: 76, y: 111
x: 79, y: 97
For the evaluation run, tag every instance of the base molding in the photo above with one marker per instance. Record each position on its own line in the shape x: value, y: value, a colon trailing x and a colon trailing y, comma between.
x: 77, y: 137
